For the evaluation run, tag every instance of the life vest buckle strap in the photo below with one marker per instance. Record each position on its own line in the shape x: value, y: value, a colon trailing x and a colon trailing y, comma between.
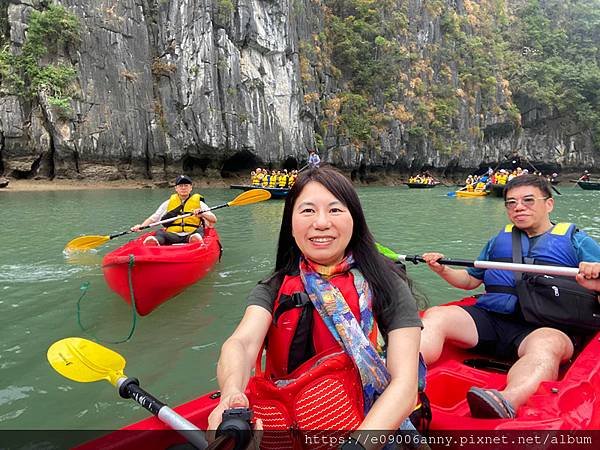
x: 288, y: 302
x: 497, y: 289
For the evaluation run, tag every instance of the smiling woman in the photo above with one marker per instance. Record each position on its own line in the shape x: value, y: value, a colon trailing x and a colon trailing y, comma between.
x: 322, y: 312
x: 321, y: 224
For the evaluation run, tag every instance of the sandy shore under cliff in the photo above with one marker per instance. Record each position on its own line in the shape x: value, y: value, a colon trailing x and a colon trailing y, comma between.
x: 71, y: 185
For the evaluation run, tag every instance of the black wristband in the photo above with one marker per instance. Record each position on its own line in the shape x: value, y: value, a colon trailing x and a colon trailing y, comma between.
x: 352, y: 444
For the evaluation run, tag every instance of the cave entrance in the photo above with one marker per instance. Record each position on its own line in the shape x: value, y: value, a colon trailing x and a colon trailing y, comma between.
x: 191, y: 164
x: 243, y: 161
x: 290, y: 163
x: 25, y: 174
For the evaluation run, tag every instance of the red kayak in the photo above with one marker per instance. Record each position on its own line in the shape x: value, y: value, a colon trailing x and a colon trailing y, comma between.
x: 159, y: 273
x: 570, y: 403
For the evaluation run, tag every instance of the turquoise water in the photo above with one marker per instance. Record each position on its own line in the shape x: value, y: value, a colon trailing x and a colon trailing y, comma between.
x: 174, y: 349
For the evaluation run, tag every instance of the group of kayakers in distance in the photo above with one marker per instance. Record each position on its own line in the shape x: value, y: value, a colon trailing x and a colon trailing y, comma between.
x: 476, y: 183
x: 274, y: 179
x: 281, y: 179
x: 500, y: 177
x: 422, y: 178
x: 331, y: 296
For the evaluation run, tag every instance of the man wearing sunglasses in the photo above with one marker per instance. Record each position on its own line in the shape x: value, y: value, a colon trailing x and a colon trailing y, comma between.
x: 501, y: 323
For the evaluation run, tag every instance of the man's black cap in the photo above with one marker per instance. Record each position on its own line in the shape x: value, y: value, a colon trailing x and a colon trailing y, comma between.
x: 183, y: 179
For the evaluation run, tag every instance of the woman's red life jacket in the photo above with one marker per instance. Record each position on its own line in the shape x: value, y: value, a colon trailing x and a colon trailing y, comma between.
x: 295, y: 321
x: 305, y: 386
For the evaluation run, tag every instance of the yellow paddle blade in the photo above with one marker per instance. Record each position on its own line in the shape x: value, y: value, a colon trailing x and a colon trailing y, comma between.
x: 85, y: 361
x: 85, y: 243
x: 249, y: 197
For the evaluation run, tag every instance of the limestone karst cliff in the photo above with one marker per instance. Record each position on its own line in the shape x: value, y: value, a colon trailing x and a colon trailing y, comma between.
x: 210, y: 86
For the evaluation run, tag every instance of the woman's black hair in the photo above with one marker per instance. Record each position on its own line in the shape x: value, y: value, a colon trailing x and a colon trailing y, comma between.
x: 377, y: 270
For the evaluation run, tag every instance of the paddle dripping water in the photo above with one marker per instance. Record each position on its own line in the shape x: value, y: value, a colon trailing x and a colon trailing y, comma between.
x: 175, y: 348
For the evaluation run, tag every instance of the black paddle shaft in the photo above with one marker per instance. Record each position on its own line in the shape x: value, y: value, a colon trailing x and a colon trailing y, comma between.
x: 416, y: 259
x: 130, y: 388
x: 122, y: 233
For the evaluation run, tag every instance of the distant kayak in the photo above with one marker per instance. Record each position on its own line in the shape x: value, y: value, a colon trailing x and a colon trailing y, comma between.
x: 159, y: 273
x: 497, y: 190
x: 471, y: 193
x: 275, y: 192
x: 589, y: 185
x: 421, y: 185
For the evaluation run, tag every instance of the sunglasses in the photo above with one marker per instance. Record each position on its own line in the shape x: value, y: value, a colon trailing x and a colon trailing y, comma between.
x: 527, y: 202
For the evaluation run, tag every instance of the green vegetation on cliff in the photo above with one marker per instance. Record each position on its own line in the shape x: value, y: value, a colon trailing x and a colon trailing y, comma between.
x: 559, y: 66
x: 30, y: 73
x: 4, y: 29
x: 446, y: 70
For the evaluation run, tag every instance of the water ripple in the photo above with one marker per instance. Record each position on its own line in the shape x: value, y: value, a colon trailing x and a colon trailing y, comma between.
x: 203, y: 346
x: 12, y: 393
x: 31, y: 273
x: 11, y: 415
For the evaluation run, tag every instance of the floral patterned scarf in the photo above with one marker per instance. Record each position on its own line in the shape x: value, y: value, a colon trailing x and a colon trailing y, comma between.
x: 341, y: 322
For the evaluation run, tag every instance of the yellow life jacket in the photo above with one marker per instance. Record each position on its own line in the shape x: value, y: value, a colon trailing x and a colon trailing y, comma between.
x: 255, y: 180
x: 273, y: 181
x: 283, y: 179
x: 176, y: 208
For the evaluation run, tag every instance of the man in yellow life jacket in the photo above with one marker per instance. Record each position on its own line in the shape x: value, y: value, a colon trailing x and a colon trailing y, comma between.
x: 283, y: 179
x: 189, y: 229
x: 273, y: 179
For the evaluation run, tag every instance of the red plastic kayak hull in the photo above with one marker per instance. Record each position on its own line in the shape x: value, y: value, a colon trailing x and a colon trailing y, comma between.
x: 571, y: 403
x: 161, y: 272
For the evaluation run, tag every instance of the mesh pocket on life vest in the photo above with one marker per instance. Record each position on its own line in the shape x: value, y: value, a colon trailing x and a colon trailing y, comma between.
x: 324, y: 395
x: 273, y: 416
x: 326, y: 405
